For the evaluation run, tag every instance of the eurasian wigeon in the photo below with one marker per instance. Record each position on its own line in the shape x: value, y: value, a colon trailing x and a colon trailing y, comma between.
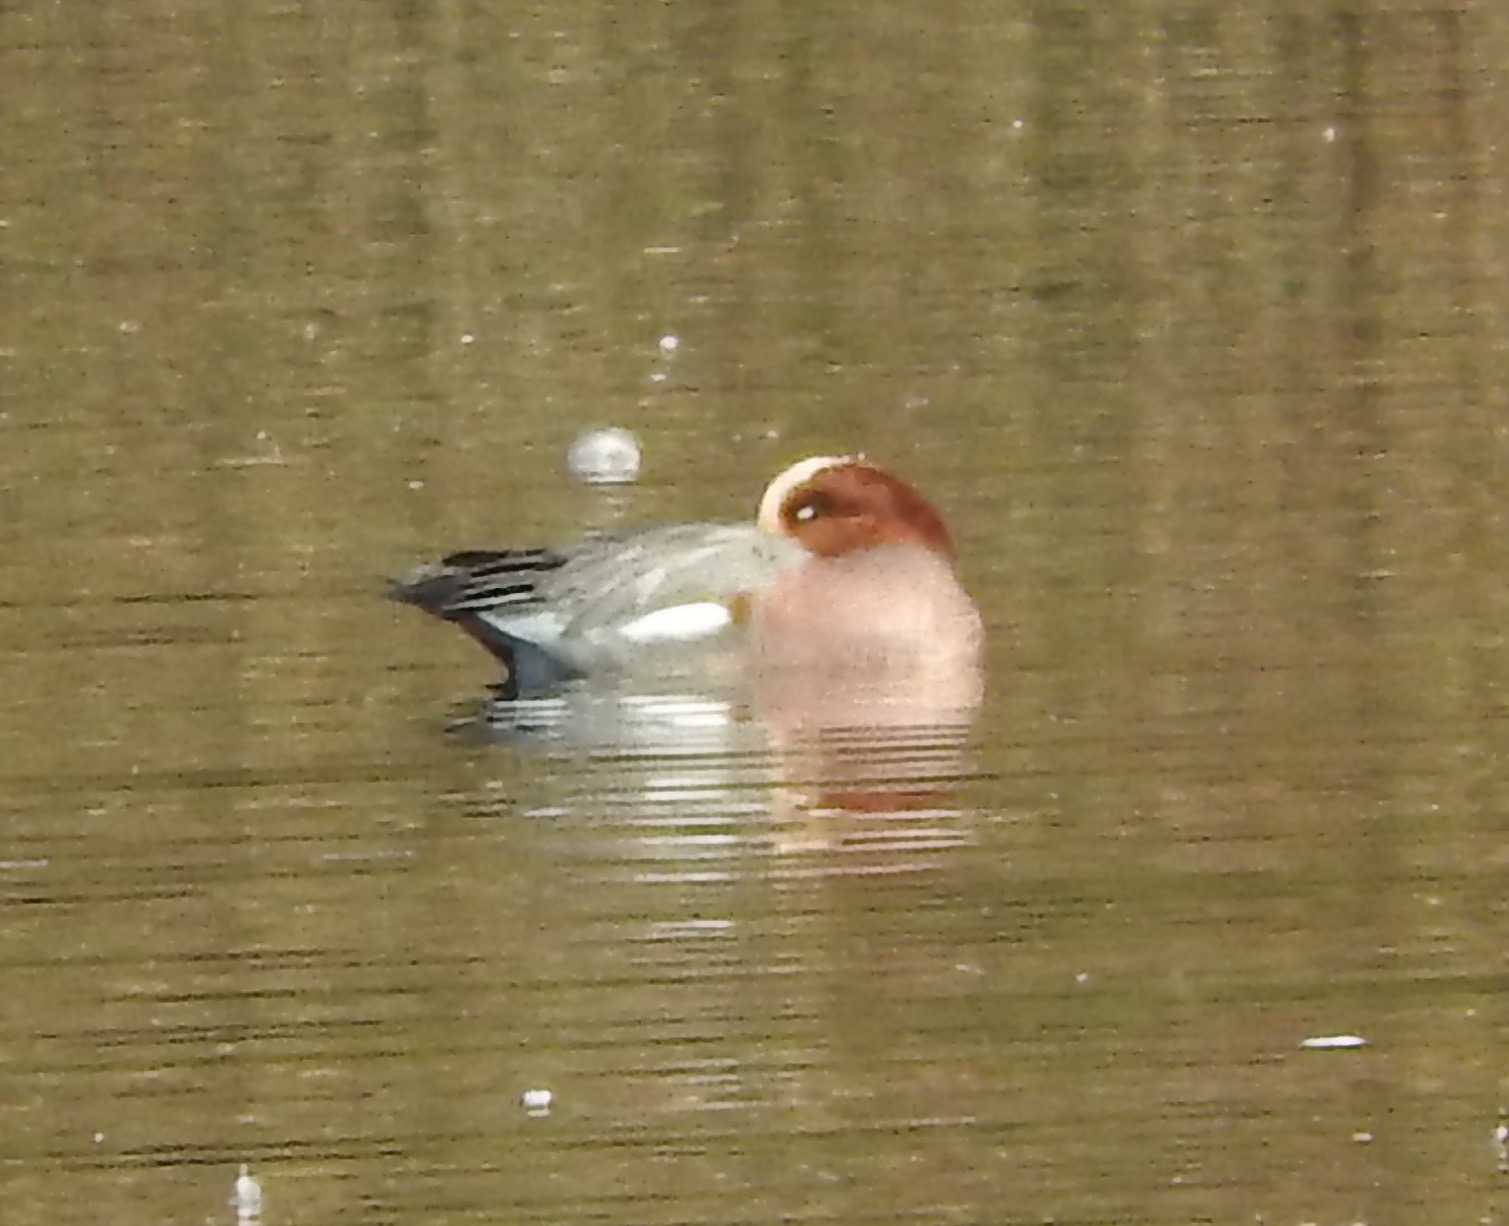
x: 847, y: 570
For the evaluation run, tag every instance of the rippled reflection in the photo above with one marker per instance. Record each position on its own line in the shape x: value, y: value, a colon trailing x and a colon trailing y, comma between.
x: 864, y: 769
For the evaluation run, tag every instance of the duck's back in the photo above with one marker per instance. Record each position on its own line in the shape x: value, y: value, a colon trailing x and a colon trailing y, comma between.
x: 604, y: 603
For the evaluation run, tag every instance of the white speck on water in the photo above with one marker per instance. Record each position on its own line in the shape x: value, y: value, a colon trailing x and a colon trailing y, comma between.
x: 363, y: 857
x: 537, y: 1102
x: 246, y: 1196
x: 1362, y: 1138
x: 1333, y: 1042
x: 129, y: 327
x: 270, y: 454
x: 416, y: 485
x: 467, y: 338
x: 1328, y: 135
x: 669, y: 343
x: 1082, y: 978
x: 658, y: 376
x: 1018, y: 124
x: 608, y: 456
x: 680, y: 930
x: 98, y: 1137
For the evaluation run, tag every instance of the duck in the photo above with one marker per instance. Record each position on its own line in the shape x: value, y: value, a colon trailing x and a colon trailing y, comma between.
x: 846, y: 570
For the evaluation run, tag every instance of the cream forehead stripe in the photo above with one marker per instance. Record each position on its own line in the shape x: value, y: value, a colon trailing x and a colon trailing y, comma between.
x: 776, y: 493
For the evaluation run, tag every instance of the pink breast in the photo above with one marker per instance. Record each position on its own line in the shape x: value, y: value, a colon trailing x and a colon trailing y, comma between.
x: 879, y: 609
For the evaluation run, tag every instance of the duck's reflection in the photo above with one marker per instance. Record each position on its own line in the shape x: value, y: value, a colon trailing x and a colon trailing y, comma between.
x: 807, y: 744
x: 872, y: 740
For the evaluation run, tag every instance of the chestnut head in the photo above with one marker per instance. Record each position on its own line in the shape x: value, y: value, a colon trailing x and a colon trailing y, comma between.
x: 835, y: 505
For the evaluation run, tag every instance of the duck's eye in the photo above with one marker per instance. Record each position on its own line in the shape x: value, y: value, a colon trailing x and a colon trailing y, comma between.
x: 813, y: 505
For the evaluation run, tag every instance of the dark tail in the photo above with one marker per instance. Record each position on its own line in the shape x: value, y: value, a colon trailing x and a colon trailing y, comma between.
x: 464, y: 586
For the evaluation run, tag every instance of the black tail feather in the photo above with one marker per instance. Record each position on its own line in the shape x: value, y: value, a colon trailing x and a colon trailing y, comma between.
x: 476, y: 580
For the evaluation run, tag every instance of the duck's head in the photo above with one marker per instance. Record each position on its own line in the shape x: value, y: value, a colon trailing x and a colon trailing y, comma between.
x: 835, y: 505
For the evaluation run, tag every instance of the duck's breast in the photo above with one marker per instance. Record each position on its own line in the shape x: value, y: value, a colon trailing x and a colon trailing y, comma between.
x: 886, y: 608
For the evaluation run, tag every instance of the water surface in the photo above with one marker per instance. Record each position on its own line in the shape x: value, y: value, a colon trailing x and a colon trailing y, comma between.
x: 1191, y: 320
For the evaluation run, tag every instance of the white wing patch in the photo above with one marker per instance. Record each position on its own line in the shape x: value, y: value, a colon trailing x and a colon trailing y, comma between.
x: 679, y: 623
